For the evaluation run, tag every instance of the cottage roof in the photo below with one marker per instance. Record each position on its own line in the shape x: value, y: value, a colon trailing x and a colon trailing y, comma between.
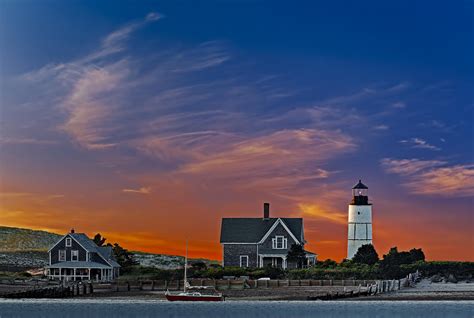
x: 78, y: 264
x: 252, y: 230
x: 89, y: 245
x: 85, y: 241
x: 106, y: 252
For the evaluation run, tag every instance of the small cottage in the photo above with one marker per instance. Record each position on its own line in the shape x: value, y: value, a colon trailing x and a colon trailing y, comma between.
x: 259, y: 242
x: 76, y: 257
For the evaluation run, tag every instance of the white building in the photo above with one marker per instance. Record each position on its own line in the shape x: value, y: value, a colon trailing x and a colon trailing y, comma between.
x: 359, y: 220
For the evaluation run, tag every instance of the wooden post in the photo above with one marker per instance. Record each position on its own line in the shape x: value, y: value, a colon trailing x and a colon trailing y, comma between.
x: 330, y: 282
x: 128, y: 286
x: 152, y: 285
x: 166, y: 284
x: 342, y: 282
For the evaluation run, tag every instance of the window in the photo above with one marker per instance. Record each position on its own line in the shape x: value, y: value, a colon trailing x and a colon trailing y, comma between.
x: 68, y: 242
x: 279, y: 242
x: 244, y: 261
x: 62, y: 255
x: 75, y: 255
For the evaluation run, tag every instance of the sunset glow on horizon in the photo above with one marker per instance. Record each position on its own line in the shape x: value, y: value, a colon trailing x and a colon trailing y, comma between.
x: 151, y: 123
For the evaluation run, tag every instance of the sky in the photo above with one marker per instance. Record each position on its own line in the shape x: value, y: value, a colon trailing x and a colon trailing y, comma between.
x: 149, y: 121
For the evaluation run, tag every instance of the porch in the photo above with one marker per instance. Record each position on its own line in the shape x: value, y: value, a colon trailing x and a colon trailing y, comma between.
x: 81, y: 272
x: 280, y: 260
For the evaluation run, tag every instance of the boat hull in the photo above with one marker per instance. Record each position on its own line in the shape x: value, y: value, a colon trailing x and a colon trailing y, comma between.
x: 194, y: 298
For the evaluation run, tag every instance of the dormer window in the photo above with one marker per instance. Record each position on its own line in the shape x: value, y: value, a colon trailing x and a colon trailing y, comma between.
x: 279, y: 242
x: 68, y: 242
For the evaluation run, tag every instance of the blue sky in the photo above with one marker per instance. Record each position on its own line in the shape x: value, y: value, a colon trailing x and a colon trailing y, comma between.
x: 124, y: 105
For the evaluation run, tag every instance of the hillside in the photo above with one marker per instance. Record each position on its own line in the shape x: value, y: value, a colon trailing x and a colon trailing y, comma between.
x: 23, y: 248
x: 14, y: 239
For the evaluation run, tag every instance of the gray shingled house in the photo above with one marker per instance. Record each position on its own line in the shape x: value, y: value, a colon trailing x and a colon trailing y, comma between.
x: 259, y: 242
x: 76, y: 257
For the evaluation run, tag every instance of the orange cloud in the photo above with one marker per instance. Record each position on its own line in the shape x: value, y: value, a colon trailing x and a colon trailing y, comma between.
x: 427, y: 177
x: 316, y: 212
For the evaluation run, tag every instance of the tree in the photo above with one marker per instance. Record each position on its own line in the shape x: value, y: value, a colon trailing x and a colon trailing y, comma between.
x: 327, y: 263
x: 297, y: 254
x: 416, y: 254
x: 121, y: 255
x: 366, y: 254
x: 99, y: 240
x: 198, y: 265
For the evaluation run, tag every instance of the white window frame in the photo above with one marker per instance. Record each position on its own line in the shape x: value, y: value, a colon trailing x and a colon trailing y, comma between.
x: 63, y: 253
x: 76, y: 253
x: 284, y: 242
x: 246, y: 262
x: 68, y: 242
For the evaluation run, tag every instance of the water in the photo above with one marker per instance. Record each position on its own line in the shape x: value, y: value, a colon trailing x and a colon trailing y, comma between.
x: 151, y: 308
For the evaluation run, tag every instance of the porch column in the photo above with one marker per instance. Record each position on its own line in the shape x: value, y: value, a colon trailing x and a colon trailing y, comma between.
x: 89, y: 273
x: 283, y: 262
x: 60, y: 273
x: 74, y: 274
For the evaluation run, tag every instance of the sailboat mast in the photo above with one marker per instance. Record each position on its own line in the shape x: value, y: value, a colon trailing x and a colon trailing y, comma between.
x: 186, y: 267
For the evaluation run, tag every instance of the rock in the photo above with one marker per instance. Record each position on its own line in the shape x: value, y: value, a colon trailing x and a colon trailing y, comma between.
x: 452, y: 279
x: 436, y: 278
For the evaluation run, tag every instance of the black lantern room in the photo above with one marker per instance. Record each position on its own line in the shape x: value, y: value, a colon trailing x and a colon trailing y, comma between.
x: 360, y: 194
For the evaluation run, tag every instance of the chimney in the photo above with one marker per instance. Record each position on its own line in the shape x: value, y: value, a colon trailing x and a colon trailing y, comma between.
x: 266, y: 210
x: 72, y: 231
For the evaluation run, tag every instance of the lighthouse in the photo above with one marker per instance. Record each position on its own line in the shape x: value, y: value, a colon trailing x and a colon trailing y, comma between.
x: 359, y: 220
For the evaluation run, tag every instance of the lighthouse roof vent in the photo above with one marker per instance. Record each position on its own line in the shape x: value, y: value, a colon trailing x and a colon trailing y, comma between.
x: 360, y: 185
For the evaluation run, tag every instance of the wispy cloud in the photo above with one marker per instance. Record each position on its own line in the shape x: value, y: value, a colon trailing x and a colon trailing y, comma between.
x: 317, y: 212
x: 142, y: 190
x: 381, y: 127
x: 399, y: 105
x: 25, y: 141
x: 419, y: 143
x: 433, y: 177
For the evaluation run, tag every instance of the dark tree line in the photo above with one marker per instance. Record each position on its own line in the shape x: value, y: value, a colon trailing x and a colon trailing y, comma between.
x: 121, y: 255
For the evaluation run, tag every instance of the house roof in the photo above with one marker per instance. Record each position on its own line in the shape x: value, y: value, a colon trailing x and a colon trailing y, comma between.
x: 104, y: 251
x: 252, y: 230
x: 85, y: 241
x: 80, y: 264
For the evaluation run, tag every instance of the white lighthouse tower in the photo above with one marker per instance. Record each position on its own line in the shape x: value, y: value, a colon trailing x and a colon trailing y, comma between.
x: 359, y: 220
